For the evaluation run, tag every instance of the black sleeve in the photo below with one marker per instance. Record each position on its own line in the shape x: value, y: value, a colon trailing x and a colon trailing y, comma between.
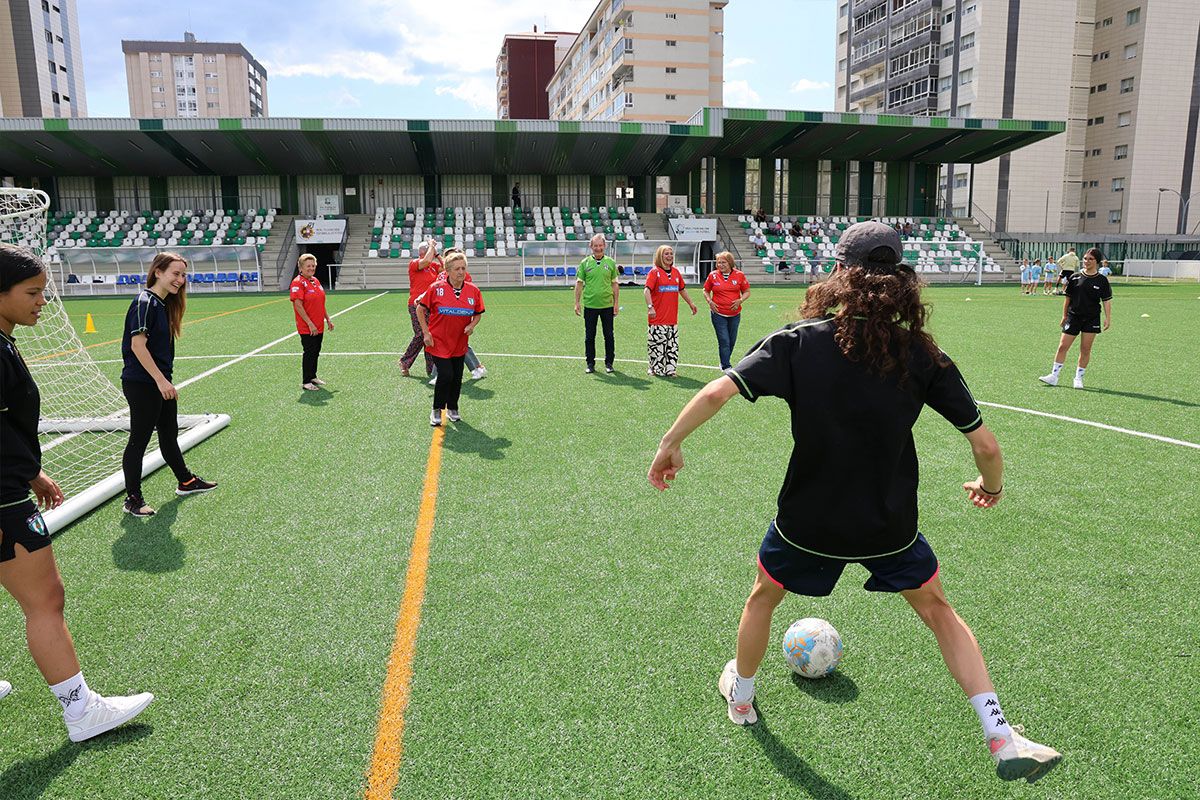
x: 949, y: 396
x: 140, y: 318
x: 766, y: 371
x: 1105, y: 289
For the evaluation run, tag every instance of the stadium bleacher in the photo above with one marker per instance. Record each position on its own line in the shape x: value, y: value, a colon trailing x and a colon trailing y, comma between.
x: 173, y: 228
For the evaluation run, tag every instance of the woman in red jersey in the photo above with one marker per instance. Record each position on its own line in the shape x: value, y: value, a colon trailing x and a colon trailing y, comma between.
x: 664, y: 285
x: 448, y: 314
x: 308, y: 301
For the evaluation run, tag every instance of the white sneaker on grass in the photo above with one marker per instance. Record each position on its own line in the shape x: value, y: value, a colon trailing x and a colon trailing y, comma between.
x: 742, y: 713
x: 479, y: 372
x: 310, y: 387
x: 435, y: 417
x: 433, y: 381
x: 1049, y: 380
x: 453, y: 415
x: 1078, y: 383
x: 1017, y: 757
x: 5, y: 688
x: 318, y: 382
x: 105, y: 713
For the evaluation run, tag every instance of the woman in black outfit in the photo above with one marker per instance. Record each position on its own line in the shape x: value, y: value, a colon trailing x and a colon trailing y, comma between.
x: 27, y: 567
x: 153, y: 323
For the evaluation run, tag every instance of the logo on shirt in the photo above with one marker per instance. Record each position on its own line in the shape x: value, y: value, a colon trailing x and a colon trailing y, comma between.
x: 668, y: 288
x: 471, y: 301
x: 37, y: 524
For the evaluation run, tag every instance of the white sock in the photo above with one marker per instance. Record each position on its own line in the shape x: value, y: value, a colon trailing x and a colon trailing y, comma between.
x: 987, y: 706
x: 1079, y: 372
x: 74, y: 695
x: 743, y: 688
x: 1057, y: 368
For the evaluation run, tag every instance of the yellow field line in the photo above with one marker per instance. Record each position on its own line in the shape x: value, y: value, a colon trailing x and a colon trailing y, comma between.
x: 190, y: 322
x: 384, y: 772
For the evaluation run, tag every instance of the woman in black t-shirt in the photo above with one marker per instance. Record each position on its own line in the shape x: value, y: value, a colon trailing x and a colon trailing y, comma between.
x: 27, y: 567
x: 1087, y: 292
x: 862, y: 364
x: 152, y: 324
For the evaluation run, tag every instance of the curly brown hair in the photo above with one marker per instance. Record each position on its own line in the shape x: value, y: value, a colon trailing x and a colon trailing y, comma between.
x: 878, y: 314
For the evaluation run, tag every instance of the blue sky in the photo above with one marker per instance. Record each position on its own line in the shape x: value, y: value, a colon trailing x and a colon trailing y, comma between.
x: 421, y: 59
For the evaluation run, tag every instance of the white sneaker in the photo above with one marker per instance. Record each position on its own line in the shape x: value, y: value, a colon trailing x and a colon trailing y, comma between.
x: 5, y: 688
x: 739, y: 713
x: 105, y: 713
x: 1049, y: 380
x: 433, y: 381
x: 318, y: 382
x: 453, y: 416
x: 1078, y: 383
x: 1018, y: 757
x: 435, y: 417
x: 309, y: 387
x: 479, y: 372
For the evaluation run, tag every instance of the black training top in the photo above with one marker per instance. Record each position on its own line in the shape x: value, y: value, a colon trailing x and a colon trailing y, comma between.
x: 20, y: 402
x: 147, y: 314
x: 1086, y: 292
x: 851, y: 486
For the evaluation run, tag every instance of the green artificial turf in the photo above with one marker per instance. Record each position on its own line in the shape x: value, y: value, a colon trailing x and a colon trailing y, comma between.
x: 575, y: 620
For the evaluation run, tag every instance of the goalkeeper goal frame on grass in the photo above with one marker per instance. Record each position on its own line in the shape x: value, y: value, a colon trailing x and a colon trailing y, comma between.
x: 84, y: 423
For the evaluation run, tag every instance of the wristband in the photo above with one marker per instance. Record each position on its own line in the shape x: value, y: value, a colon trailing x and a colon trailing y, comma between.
x: 991, y: 493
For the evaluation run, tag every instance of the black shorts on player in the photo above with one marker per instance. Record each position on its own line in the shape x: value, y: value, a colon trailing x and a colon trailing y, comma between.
x: 22, y: 524
x: 802, y: 572
x: 1077, y: 325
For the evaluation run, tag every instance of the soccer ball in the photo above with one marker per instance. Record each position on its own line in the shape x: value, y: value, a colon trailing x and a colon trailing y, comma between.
x: 812, y: 647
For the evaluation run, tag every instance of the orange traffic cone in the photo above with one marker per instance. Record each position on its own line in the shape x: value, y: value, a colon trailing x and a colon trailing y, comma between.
x: 89, y: 326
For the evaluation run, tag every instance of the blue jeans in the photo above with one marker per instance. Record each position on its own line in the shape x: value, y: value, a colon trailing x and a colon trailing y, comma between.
x: 726, y: 328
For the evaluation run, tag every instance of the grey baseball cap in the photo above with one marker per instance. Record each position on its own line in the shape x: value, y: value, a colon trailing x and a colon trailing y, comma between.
x: 856, y: 243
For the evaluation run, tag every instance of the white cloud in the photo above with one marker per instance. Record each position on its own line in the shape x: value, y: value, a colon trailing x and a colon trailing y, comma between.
x: 738, y: 62
x: 359, y: 65
x: 805, y: 85
x: 476, y: 92
x: 738, y: 94
x: 344, y: 99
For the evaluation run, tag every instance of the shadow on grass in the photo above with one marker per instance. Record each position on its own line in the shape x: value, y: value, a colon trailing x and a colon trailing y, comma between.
x: 619, y: 378
x: 681, y: 382
x: 473, y: 390
x: 793, y: 767
x: 836, y: 688
x: 461, y: 437
x: 146, y: 543
x: 29, y: 779
x: 320, y: 397
x: 1135, y: 396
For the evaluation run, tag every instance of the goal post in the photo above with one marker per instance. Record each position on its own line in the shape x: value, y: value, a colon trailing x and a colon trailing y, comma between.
x: 84, y: 417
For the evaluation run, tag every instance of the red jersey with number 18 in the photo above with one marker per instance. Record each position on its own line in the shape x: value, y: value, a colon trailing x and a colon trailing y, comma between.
x: 449, y: 314
x: 309, y: 292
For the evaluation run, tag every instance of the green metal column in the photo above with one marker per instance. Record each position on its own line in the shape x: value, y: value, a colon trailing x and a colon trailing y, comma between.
x: 730, y: 185
x: 105, y: 201
x: 866, y: 188
x: 351, y: 203
x: 643, y: 193
x: 230, y: 199
x: 289, y: 194
x: 837, y: 188
x: 766, y: 186
x: 550, y: 190
x: 158, y: 194
x: 597, y: 191
x: 678, y: 184
x: 896, y: 201
x: 501, y: 191
x: 802, y: 187
x: 695, y: 187
x: 925, y: 189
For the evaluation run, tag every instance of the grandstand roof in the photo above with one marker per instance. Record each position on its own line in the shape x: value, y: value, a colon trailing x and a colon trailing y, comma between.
x: 287, y: 146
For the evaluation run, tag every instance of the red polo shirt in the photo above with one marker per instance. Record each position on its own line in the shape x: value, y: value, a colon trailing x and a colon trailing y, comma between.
x: 421, y: 279
x: 664, y: 295
x: 310, y: 292
x: 449, y: 316
x: 725, y: 290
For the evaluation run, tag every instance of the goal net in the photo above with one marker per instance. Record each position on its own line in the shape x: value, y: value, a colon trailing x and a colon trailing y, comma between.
x: 85, y: 420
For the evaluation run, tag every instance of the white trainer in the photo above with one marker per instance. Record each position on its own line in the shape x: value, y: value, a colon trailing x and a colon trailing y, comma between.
x: 435, y: 417
x: 742, y: 713
x: 5, y: 688
x: 433, y: 381
x: 479, y: 372
x: 105, y: 713
x: 1017, y: 757
x: 453, y: 415
x: 1049, y: 380
x: 1078, y: 383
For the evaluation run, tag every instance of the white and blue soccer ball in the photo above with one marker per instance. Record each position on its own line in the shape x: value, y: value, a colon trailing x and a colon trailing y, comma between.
x: 812, y: 647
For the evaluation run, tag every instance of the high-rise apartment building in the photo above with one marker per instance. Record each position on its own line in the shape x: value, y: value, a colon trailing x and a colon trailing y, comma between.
x: 1123, y: 74
x: 41, y: 60
x: 656, y: 61
x: 523, y: 70
x: 193, y: 79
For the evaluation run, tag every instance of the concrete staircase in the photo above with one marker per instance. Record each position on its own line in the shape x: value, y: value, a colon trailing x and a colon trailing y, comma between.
x: 1012, y: 270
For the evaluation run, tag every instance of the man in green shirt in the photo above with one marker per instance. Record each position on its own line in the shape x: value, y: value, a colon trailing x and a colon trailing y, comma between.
x: 596, y: 282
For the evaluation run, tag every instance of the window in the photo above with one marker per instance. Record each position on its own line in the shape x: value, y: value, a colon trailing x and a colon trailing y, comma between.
x: 158, y: 90
x: 969, y: 9
x: 1130, y: 51
x: 671, y: 43
x: 844, y: 9
x: 670, y: 97
x: 947, y: 49
x: 61, y: 68
x: 1126, y: 85
x: 1101, y: 87
x: 629, y: 45
x: 966, y: 76
x: 58, y: 38
x: 156, y: 73
x: 1118, y: 184
x: 54, y: 96
x: 212, y: 90
x: 1132, y: 17
x: 842, y: 37
x: 671, y: 15
x: 918, y: 57
x: 967, y: 41
x: 156, y: 59
x: 49, y: 37
x: 1092, y: 184
x: 210, y: 59
x: 159, y: 104
x: 948, y: 18
x: 1124, y: 119
x: 870, y: 17
x: 963, y: 110
x: 210, y: 75
x: 1097, y: 151
x: 1114, y: 216
x: 960, y: 180
x: 53, y: 67
x: 629, y: 99
x: 46, y: 6
x: 1104, y: 23
x: 842, y: 65
x: 1091, y: 215
x: 214, y: 105
x: 1101, y: 56
x: 1120, y: 152
x: 1095, y: 121
x: 945, y: 82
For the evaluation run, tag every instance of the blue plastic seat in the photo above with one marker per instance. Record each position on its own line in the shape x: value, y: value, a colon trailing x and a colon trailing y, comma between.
x: 208, y: 277
x: 244, y: 277
x: 560, y: 272
x: 571, y: 272
x: 123, y: 280
x: 538, y: 272
x: 528, y: 272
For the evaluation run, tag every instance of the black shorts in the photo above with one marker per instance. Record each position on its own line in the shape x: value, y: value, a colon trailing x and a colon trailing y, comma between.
x: 22, y: 523
x: 801, y: 572
x: 1077, y: 325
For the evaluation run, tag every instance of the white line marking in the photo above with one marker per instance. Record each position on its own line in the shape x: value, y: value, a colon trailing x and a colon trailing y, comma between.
x: 1089, y: 423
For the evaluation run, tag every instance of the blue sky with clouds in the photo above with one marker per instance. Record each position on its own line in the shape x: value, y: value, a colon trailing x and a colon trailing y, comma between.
x: 415, y: 58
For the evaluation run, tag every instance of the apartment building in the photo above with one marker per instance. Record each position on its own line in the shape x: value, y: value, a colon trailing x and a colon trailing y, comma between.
x: 887, y: 56
x: 193, y: 79
x: 41, y: 71
x: 650, y: 60
x: 524, y: 67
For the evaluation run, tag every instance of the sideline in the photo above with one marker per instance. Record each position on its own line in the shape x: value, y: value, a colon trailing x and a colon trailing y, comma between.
x: 384, y: 771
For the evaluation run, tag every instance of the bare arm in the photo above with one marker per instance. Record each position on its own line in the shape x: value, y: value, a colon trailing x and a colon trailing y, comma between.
x: 649, y: 302
x: 616, y: 298
x: 688, y: 300
x: 578, y: 292
x: 423, y: 321
x: 138, y: 344
x: 700, y: 409
x: 985, y: 490
x: 1107, y: 314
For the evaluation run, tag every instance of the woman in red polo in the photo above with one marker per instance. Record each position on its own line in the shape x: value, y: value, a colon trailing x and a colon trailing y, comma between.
x: 725, y: 289
x: 308, y: 301
x: 448, y: 313
x: 664, y: 285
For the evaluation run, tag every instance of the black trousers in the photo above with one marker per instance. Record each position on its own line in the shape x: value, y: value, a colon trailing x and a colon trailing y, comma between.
x: 605, y: 315
x: 449, y: 382
x: 148, y: 412
x: 311, y: 342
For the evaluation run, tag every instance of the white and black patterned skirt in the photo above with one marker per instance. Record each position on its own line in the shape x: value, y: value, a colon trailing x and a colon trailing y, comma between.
x: 662, y: 344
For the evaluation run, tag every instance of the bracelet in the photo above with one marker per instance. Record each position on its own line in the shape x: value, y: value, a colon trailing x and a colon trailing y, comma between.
x: 989, y: 492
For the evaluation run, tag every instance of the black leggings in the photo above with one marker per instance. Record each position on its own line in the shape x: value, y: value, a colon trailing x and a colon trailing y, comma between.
x: 149, y: 412
x: 311, y: 342
x: 449, y: 382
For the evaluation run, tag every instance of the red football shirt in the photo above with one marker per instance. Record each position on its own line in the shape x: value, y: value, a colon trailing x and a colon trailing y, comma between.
x: 449, y: 315
x: 310, y: 292
x: 421, y: 279
x: 725, y: 290
x: 664, y: 295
